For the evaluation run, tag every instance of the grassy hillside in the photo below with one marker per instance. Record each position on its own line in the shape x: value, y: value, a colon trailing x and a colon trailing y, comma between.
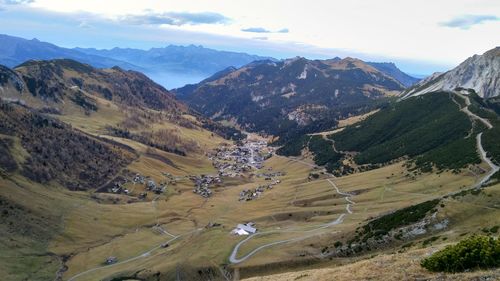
x: 57, y: 152
x: 52, y: 232
x: 430, y: 126
x: 428, y: 129
x: 29, y: 222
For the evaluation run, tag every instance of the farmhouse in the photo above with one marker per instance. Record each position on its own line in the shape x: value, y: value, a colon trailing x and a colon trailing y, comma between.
x: 244, y: 229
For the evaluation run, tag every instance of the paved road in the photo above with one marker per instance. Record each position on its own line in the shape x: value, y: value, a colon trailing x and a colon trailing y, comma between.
x: 233, y: 257
x: 143, y: 255
x: 482, y: 153
x: 466, y: 110
x: 493, y: 168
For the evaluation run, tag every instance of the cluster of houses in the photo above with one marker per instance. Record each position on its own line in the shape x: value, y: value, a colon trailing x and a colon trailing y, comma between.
x: 157, y: 189
x: 234, y: 160
x: 230, y: 161
x: 203, y: 183
x: 244, y: 229
x: 232, y: 170
x: 119, y: 188
x: 149, y: 184
x: 251, y: 194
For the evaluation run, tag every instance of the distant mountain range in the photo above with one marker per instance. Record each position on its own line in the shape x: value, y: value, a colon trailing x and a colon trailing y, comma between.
x: 392, y: 70
x: 15, y: 51
x: 171, y: 66
x: 479, y: 72
x: 189, y: 59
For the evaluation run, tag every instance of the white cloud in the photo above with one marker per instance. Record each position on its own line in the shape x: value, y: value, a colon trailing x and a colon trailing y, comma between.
x: 175, y: 18
x: 16, y: 2
x: 467, y: 21
x: 390, y: 28
x: 263, y: 30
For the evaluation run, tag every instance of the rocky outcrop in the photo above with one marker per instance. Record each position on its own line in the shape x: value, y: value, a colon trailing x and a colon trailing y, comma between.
x: 479, y: 72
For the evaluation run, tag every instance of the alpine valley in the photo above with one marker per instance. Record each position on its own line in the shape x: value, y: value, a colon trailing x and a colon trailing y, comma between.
x: 292, y: 169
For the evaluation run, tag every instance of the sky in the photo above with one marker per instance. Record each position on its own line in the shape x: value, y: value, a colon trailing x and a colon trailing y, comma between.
x: 421, y: 37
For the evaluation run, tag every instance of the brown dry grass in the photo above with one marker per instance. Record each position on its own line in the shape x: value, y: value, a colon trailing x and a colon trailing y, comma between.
x: 387, y: 267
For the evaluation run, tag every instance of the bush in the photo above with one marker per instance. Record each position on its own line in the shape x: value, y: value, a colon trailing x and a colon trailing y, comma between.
x: 406, y: 216
x: 476, y: 252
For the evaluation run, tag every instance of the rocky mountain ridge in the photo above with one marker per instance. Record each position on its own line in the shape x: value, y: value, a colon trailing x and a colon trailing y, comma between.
x: 479, y: 72
x: 274, y: 96
x: 54, y: 82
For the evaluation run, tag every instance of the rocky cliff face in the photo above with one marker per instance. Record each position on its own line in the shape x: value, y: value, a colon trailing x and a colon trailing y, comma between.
x: 10, y: 81
x: 479, y: 72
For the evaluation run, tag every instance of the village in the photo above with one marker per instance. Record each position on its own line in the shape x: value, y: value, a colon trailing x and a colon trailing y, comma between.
x: 245, y: 159
x: 235, y: 161
x: 231, y: 161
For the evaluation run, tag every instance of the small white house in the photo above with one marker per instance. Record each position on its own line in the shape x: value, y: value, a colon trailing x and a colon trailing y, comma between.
x: 247, y: 228
x: 244, y: 229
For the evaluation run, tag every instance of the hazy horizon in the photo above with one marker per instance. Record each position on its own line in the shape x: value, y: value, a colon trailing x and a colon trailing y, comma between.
x: 420, y: 38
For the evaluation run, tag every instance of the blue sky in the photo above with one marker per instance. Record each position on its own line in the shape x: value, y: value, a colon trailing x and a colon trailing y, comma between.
x: 419, y: 36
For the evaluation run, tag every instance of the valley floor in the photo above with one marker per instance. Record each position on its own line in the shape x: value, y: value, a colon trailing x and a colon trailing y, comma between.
x: 181, y: 235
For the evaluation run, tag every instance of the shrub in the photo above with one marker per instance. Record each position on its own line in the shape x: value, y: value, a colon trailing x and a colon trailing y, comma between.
x: 494, y: 229
x: 406, y: 216
x: 476, y: 252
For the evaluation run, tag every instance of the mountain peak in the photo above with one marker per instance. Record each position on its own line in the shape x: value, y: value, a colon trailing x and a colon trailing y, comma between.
x: 295, y: 91
x: 350, y: 63
x: 293, y: 60
x: 479, y: 72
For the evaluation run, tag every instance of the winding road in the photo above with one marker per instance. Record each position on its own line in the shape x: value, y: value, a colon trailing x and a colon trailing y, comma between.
x: 493, y: 168
x: 482, y: 153
x: 466, y: 110
x: 233, y: 258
